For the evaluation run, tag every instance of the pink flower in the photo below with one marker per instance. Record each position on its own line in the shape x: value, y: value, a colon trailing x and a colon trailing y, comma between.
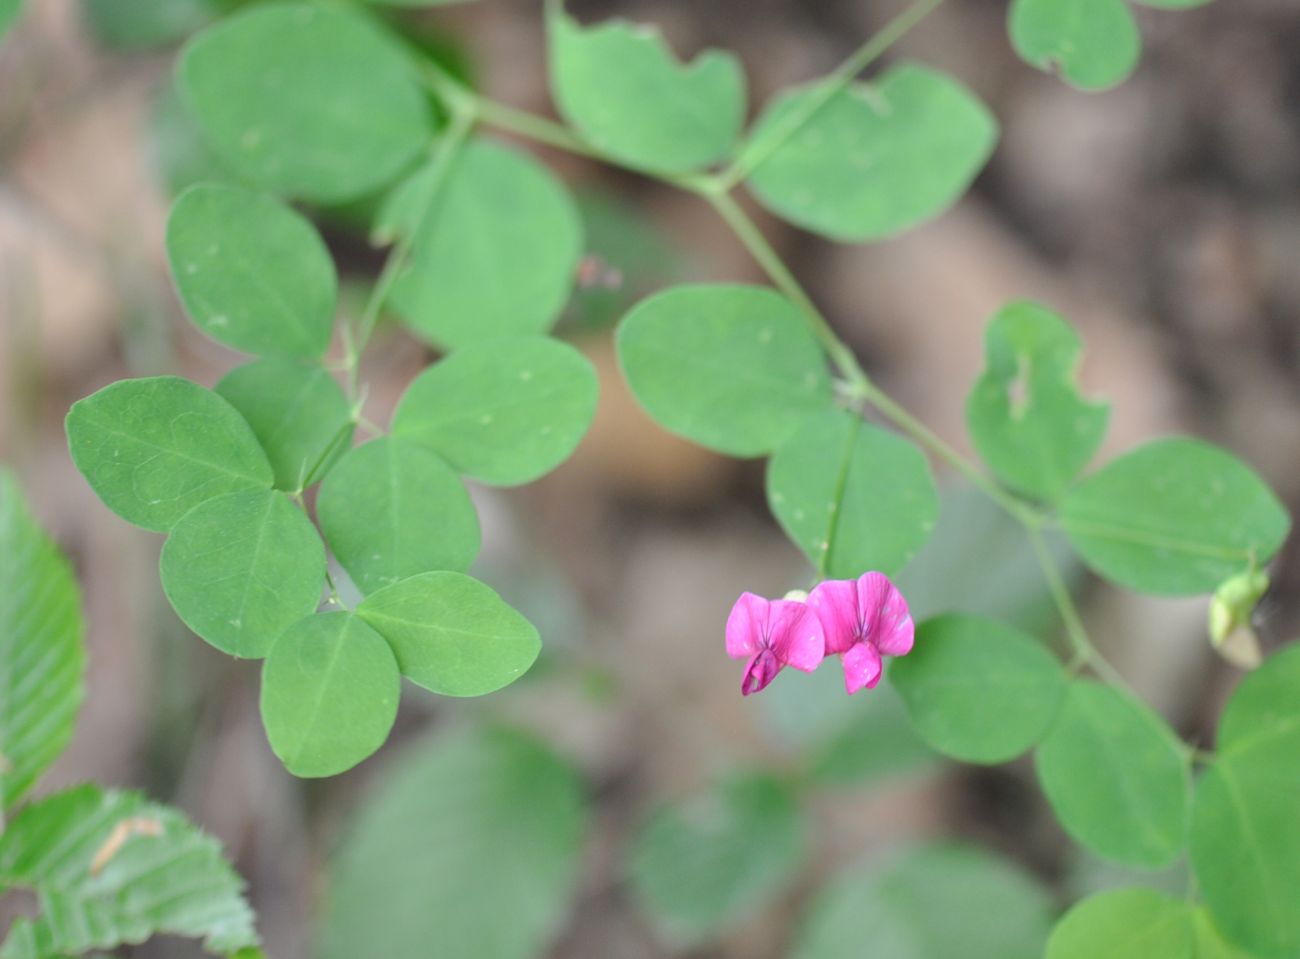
x: 862, y: 621
x: 772, y: 634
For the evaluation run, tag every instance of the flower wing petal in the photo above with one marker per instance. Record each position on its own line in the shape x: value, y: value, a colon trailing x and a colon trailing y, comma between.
x: 797, y: 637
x: 836, y: 603
x: 861, y: 667
x: 884, y: 610
x: 745, y: 626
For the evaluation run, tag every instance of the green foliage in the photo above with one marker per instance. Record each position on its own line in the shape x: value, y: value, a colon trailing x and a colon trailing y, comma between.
x: 1117, y: 776
x: 625, y: 93
x: 958, y: 667
x: 852, y: 496
x: 1025, y: 414
x: 875, y: 159
x: 9, y: 11
x: 144, y: 24
x: 505, y: 412
x: 252, y: 273
x: 699, y: 865
x: 469, y: 847
x: 1094, y: 44
x: 1132, y: 923
x: 1174, y: 517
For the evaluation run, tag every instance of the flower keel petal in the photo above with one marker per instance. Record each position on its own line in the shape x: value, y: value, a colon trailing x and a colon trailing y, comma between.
x: 861, y: 667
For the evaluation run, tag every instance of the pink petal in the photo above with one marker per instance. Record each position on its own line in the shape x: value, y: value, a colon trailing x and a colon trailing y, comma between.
x: 884, y: 611
x: 796, y: 635
x: 861, y: 667
x: 836, y: 604
x: 760, y: 671
x: 746, y: 625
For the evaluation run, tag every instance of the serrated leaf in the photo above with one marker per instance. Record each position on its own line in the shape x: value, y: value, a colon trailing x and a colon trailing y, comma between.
x: 251, y: 272
x: 240, y: 568
x: 1131, y: 923
x: 733, y: 368
x: 1116, y: 776
x: 472, y: 842
x: 875, y: 159
x: 1025, y: 414
x: 330, y: 687
x: 498, y: 252
x: 505, y: 412
x: 452, y: 634
x: 1093, y: 44
x: 42, y: 656
x: 852, y: 496
x: 959, y: 665
x: 627, y: 95
x: 110, y: 868
x: 700, y: 865
x: 1174, y: 517
x: 310, y: 100
x: 391, y: 509
x: 298, y: 413
x: 152, y: 449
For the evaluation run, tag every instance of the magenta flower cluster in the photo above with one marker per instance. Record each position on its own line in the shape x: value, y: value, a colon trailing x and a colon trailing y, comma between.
x: 859, y: 620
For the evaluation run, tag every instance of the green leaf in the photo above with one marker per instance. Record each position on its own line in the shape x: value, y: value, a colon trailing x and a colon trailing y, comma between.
x: 625, y: 93
x: 932, y: 902
x: 145, y: 24
x: 875, y: 159
x: 1265, y: 708
x: 154, y: 448
x: 391, y: 509
x: 452, y: 634
x: 1210, y: 943
x: 330, y: 687
x: 9, y: 11
x: 241, y: 568
x: 498, y: 251
x: 699, y: 865
x: 311, y: 100
x: 852, y: 496
x: 110, y: 868
x: 1174, y: 517
x: 1025, y: 414
x: 181, y: 155
x: 471, y: 846
x: 42, y: 657
x: 734, y: 368
x: 298, y: 413
x: 1131, y: 923
x: 251, y: 272
x: 505, y: 412
x: 958, y: 667
x: 1093, y: 44
x: 1116, y: 776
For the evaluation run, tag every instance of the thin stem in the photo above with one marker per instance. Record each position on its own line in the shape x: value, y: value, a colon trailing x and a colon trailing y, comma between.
x: 1080, y: 646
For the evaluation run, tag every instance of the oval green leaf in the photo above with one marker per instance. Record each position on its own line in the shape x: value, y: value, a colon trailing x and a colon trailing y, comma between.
x: 154, y: 448
x: 330, y: 687
x: 391, y: 509
x: 733, y: 368
x: 310, y: 100
x: 1093, y: 44
x: 504, y: 413
x: 874, y: 159
x: 251, y: 272
x: 1265, y: 707
x: 1131, y: 923
x: 852, y: 496
x: 1116, y: 776
x: 241, y: 568
x: 1174, y: 517
x: 958, y: 667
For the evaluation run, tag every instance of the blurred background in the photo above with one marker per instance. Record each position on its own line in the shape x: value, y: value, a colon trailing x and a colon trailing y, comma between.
x: 1162, y: 218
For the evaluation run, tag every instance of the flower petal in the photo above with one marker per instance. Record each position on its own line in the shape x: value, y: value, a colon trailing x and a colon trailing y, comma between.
x: 746, y: 625
x: 861, y: 667
x: 796, y: 635
x: 836, y: 603
x: 884, y: 611
x: 759, y: 671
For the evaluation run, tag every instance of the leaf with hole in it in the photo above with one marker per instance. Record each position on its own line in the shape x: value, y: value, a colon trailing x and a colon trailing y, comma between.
x: 298, y: 413
x: 391, y: 509
x: 505, y: 412
x: 251, y: 272
x: 1116, y: 776
x: 498, y: 252
x: 627, y: 95
x: 311, y: 100
x: 699, y: 865
x: 1025, y: 414
x: 42, y: 656
x: 958, y: 666
x: 452, y: 634
x: 1093, y: 44
x: 733, y: 368
x: 111, y: 868
x: 1131, y: 923
x: 852, y: 496
x: 875, y: 159
x: 330, y: 687
x: 154, y: 448
x: 1174, y: 517
x: 240, y: 568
